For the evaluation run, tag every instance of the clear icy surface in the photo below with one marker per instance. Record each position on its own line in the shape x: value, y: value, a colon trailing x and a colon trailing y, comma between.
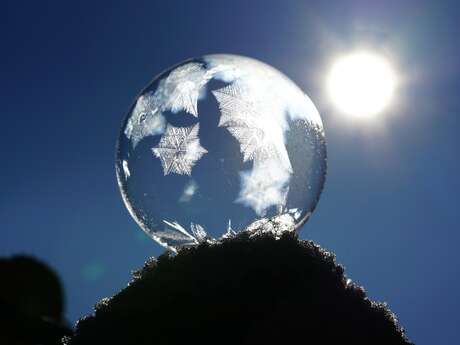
x: 217, y: 145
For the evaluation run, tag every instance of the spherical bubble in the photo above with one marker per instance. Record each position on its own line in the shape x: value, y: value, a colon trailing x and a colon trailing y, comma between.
x: 217, y: 145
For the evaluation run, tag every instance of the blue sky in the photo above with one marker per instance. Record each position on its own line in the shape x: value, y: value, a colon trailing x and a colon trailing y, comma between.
x: 389, y: 211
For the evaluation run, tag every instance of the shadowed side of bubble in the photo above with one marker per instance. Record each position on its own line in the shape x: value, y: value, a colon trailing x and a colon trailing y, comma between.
x: 244, y: 290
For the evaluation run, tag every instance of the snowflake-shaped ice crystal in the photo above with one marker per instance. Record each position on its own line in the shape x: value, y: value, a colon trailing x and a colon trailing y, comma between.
x: 259, y: 135
x: 179, y: 149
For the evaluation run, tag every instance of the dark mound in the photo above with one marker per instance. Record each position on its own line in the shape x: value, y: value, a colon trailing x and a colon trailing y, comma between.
x: 31, y: 303
x: 243, y: 291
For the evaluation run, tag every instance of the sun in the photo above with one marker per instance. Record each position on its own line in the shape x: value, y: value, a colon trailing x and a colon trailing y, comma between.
x: 361, y: 84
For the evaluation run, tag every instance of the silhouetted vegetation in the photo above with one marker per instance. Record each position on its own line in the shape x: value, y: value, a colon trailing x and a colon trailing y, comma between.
x: 31, y: 303
x: 243, y: 291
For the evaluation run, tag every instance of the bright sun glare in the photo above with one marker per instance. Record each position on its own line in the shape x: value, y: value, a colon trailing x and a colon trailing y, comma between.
x: 361, y: 84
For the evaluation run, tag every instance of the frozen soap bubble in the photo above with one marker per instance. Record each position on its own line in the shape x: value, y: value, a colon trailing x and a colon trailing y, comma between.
x: 217, y: 145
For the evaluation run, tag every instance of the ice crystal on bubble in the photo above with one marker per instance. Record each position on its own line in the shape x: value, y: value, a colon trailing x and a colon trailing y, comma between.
x: 146, y: 119
x: 198, y: 232
x: 179, y: 149
x: 263, y: 186
x: 189, y: 191
x: 179, y: 91
x: 182, y: 88
x: 177, y: 232
x: 249, y: 121
x: 261, y: 140
x: 230, y: 232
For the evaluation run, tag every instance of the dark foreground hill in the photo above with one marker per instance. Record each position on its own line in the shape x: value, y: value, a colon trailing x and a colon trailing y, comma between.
x: 244, y: 290
x: 31, y: 303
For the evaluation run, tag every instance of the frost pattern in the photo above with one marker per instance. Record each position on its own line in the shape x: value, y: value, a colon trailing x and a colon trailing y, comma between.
x: 248, y: 120
x: 146, y: 119
x: 230, y: 232
x: 189, y: 191
x: 126, y: 169
x: 179, y: 91
x: 288, y: 99
x: 261, y: 140
x: 177, y: 232
x: 256, y: 108
x: 240, y: 118
x: 198, y: 232
x: 277, y: 225
x: 263, y: 186
x: 179, y: 149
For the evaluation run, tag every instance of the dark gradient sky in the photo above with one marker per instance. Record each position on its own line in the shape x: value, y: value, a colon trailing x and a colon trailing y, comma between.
x: 70, y: 71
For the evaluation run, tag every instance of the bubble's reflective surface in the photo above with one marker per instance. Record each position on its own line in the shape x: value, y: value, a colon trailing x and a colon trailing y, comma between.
x: 217, y: 145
